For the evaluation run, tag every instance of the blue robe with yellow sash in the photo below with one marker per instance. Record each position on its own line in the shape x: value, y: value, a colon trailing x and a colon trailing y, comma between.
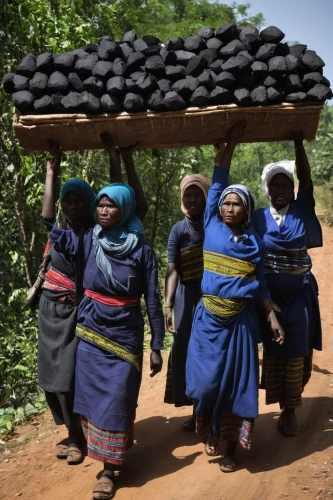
x: 222, y: 362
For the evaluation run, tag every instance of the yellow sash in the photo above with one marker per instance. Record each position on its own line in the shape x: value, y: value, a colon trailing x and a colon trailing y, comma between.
x: 223, y: 307
x: 108, y: 345
x: 228, y: 266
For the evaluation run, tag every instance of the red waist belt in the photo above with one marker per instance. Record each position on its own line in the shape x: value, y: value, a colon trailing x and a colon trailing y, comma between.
x: 59, y: 283
x: 115, y: 300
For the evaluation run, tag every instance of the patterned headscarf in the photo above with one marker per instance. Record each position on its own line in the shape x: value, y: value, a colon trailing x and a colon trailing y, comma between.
x: 285, y: 167
x: 83, y: 190
x: 245, y: 195
x: 122, y: 238
x: 193, y: 180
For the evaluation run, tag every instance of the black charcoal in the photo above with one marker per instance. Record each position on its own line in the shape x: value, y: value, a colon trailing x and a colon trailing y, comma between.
x: 267, y: 81
x: 79, y: 53
x: 65, y: 62
x: 38, y: 84
x: 208, y: 79
x: 274, y: 96
x: 237, y: 65
x: 134, y: 103
x: 277, y: 66
x: 206, y: 32
x: 174, y: 73
x: 20, y: 83
x: 182, y: 87
x: 155, y: 101
x: 214, y: 43
x: 147, y: 83
x: 164, y: 85
x: 292, y: 83
x: 200, y: 97
x: 266, y: 51
x: 232, y: 48
x: 104, y: 38
x: 221, y: 95
x: 8, y: 84
x: 71, y: 102
x: 139, y: 46
x: 23, y: 101
x: 134, y: 62
x: 193, y: 82
x: 57, y: 106
x: 196, y: 65
x: 175, y: 44
x: 216, y: 66
x: 27, y: 66
x: 242, y: 97
x: 183, y: 56
x: 92, y: 47
x: 116, y: 85
x: 227, y: 32
x: 168, y: 56
x: 44, y: 63
x: 295, y: 97
x: 57, y: 83
x: 247, y: 80
x: 43, y: 106
x: 210, y: 55
x: 111, y: 103
x: 155, y: 65
x: 312, y: 61
x: 173, y: 101
x: 94, y: 86
x: 259, y: 69
x: 126, y: 50
x: 282, y: 49
x: 272, y: 34
x: 152, y: 50
x: 319, y: 93
x: 131, y: 85
x: 129, y: 37
x: 119, y: 67
x: 247, y: 55
x: 136, y: 75
x: 89, y: 104
x: 226, y: 80
x: 292, y: 63
x: 194, y: 44
x: 325, y: 81
x: 259, y: 95
x: 298, y: 49
x: 75, y: 82
x: 103, y: 70
x: 109, y: 51
x: 151, y: 40
x: 250, y: 38
x: 84, y: 67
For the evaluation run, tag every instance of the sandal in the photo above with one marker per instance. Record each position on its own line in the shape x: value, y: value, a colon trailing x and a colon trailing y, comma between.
x: 104, y: 488
x: 62, y: 452
x: 227, y: 464
x: 75, y: 456
x: 211, y: 446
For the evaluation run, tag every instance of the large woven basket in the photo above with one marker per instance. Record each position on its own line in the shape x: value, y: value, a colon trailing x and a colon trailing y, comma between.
x: 191, y: 127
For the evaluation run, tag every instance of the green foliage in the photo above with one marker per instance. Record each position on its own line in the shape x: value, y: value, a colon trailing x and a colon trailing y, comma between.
x: 9, y: 417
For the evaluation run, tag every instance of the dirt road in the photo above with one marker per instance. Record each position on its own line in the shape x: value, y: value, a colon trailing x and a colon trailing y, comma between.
x: 169, y: 464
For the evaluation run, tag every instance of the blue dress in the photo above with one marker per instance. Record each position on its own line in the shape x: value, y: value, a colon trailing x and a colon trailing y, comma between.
x: 222, y: 361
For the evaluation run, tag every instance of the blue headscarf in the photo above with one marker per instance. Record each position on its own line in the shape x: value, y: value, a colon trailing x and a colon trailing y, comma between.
x: 83, y: 190
x: 245, y: 195
x: 122, y: 238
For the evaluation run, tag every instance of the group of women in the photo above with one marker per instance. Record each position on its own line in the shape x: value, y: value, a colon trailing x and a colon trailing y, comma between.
x: 236, y: 277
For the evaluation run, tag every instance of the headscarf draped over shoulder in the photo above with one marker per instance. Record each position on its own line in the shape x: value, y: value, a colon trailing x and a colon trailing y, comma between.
x: 193, y: 180
x: 285, y: 167
x: 245, y: 195
x: 83, y: 190
x: 124, y: 197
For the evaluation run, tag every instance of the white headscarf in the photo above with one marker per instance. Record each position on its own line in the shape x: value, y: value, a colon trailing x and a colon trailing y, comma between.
x: 285, y: 167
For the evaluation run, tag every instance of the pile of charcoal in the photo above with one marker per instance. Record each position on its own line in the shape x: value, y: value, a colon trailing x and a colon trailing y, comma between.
x: 228, y: 65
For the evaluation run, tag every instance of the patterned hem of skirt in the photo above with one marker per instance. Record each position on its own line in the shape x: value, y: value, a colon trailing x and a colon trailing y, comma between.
x: 107, y: 446
x: 233, y: 428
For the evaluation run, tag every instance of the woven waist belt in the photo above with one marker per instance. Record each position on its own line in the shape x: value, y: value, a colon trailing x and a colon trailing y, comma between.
x: 114, y: 300
x: 99, y: 340
x: 223, y: 307
x: 57, y: 282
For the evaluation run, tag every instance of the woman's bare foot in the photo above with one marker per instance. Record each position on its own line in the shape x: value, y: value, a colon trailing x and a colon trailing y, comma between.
x: 212, y: 445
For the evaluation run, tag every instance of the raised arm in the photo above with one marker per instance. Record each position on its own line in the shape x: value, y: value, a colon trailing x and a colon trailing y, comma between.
x: 303, y: 169
x: 114, y: 157
x: 52, y: 171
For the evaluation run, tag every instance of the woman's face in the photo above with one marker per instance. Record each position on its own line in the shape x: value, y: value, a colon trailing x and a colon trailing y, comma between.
x: 73, y: 206
x: 194, y: 201
x: 233, y: 211
x: 107, y: 212
x: 281, y: 191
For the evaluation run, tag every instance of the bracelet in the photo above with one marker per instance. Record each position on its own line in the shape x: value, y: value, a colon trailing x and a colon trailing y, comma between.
x: 166, y: 306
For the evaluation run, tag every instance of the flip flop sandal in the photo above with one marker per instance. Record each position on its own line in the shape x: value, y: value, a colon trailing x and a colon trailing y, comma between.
x: 227, y: 465
x: 62, y: 452
x: 75, y: 456
x: 211, y: 446
x: 104, y: 488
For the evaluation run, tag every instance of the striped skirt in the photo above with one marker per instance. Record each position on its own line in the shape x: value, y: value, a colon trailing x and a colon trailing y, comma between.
x: 233, y: 428
x: 107, y: 446
x: 285, y: 378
